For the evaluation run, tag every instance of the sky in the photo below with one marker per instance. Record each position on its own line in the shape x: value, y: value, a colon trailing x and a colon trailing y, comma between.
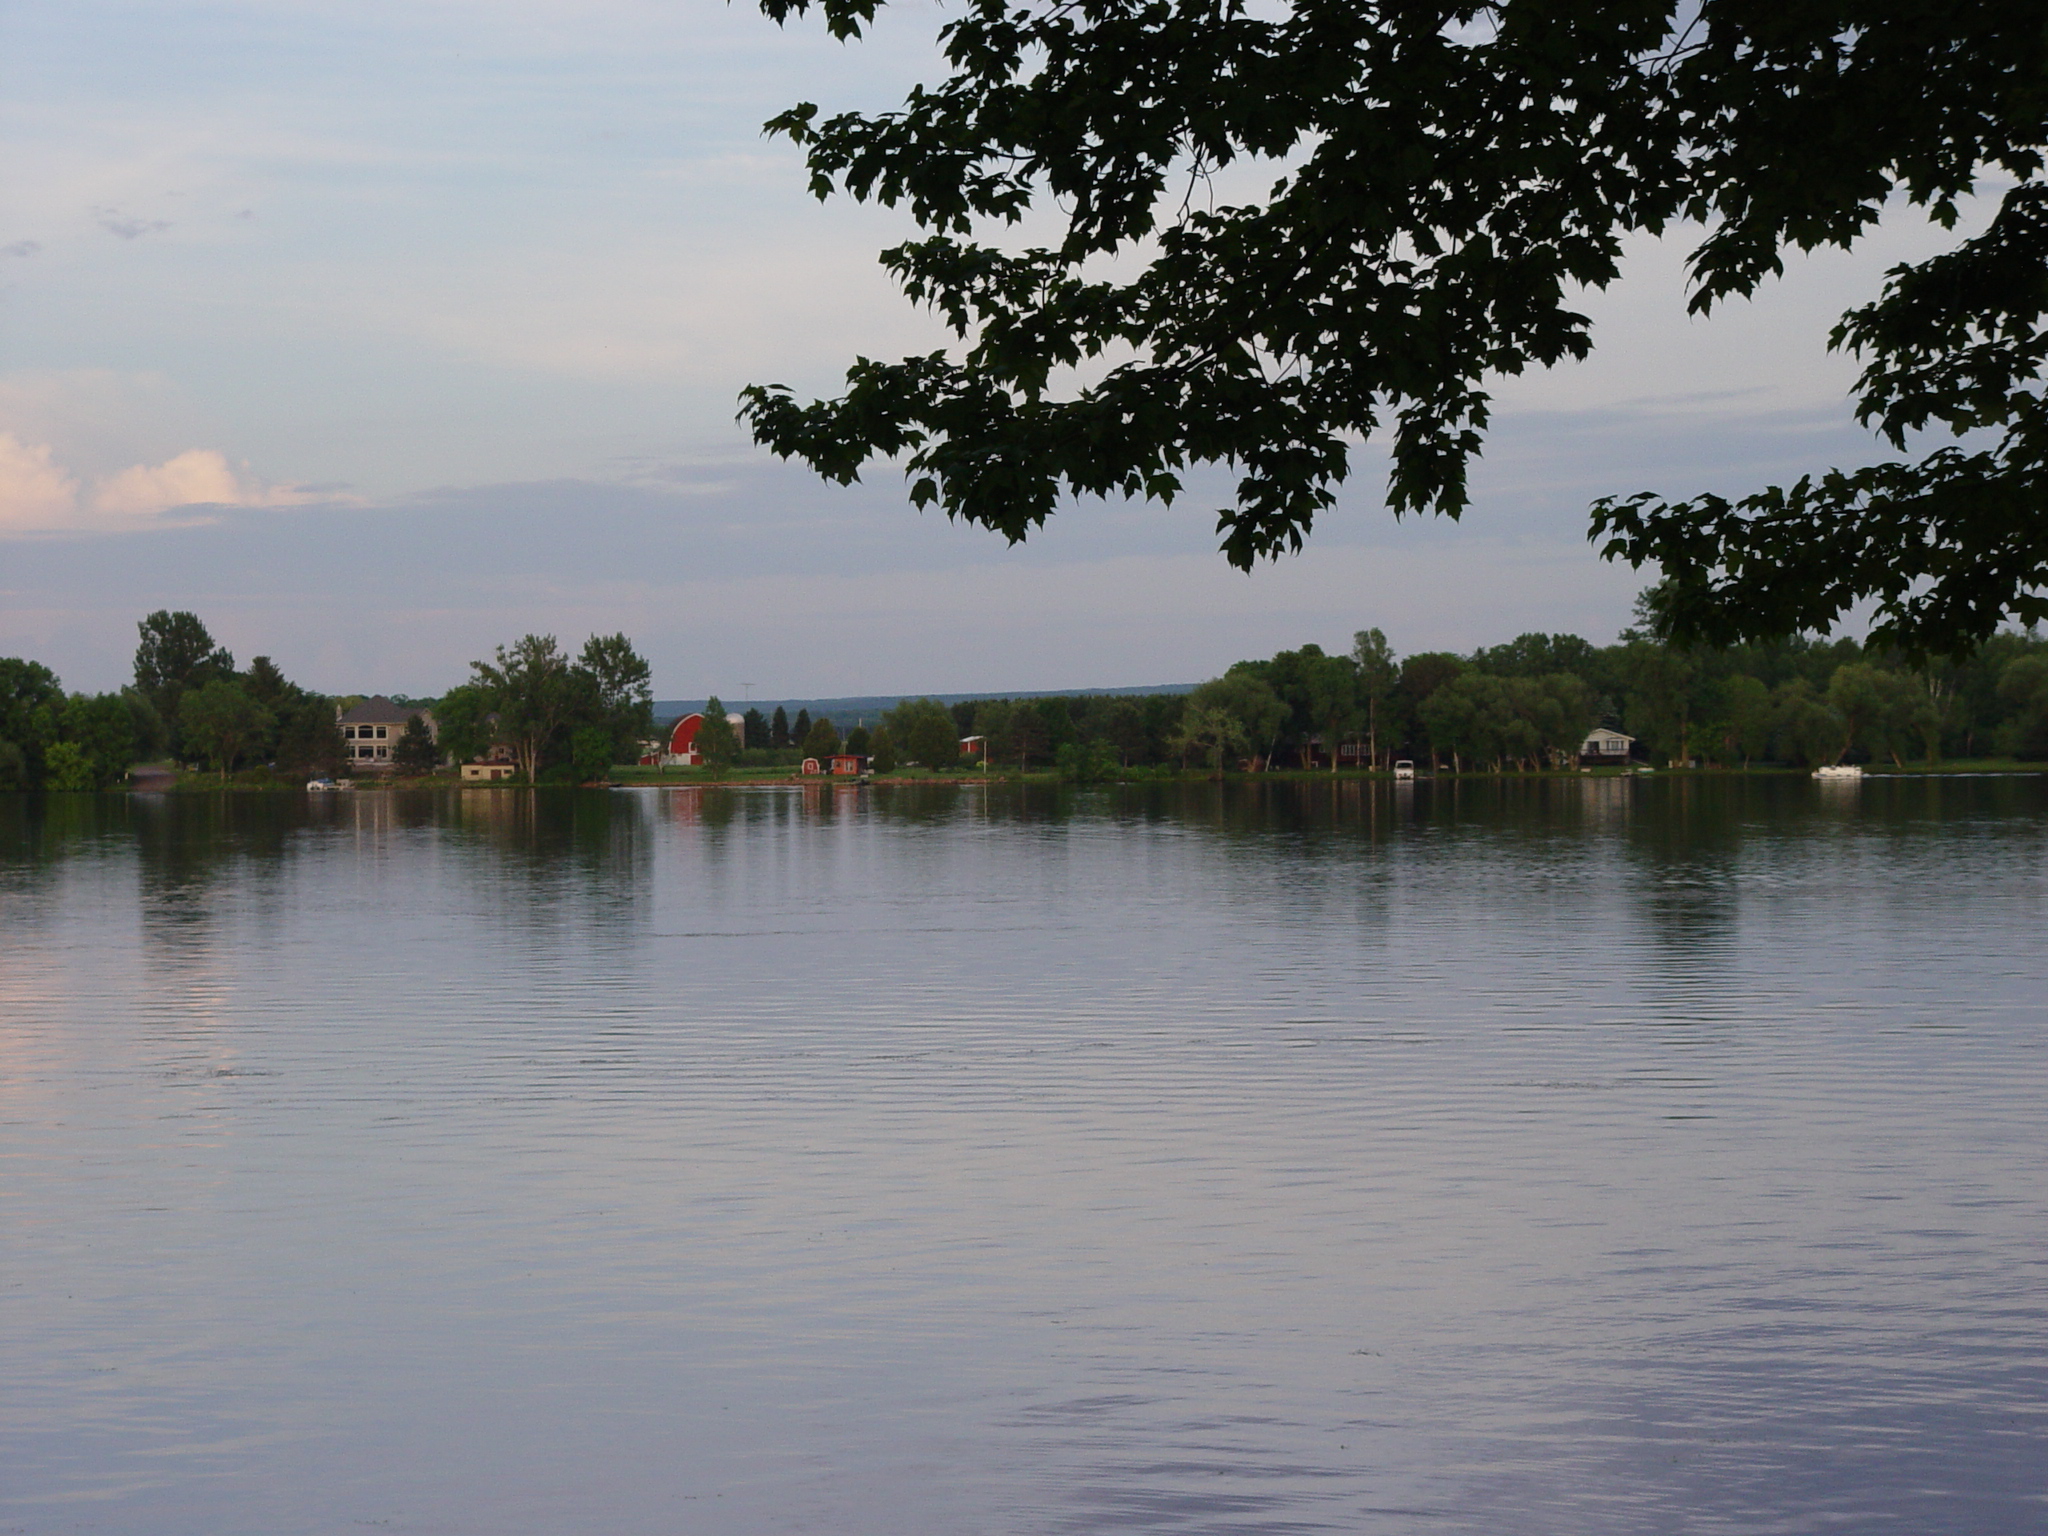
x: 380, y: 334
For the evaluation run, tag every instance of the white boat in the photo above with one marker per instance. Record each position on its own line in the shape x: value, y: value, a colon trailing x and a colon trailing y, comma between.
x: 319, y: 786
x: 1404, y: 769
x: 1838, y: 771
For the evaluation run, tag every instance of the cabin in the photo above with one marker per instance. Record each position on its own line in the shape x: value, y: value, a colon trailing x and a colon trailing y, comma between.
x: 1605, y: 748
x: 845, y: 763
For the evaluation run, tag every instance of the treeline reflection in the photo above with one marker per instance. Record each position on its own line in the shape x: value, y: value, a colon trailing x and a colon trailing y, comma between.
x: 184, y: 836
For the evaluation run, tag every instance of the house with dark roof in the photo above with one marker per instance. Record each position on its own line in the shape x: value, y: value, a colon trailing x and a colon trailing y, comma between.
x: 372, y: 729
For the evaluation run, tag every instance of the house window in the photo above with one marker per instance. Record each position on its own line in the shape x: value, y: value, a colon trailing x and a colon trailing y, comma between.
x: 383, y: 751
x: 380, y: 732
x: 349, y: 732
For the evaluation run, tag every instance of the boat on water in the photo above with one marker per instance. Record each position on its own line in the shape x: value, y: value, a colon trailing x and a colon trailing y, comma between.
x: 1838, y: 771
x: 1404, y: 769
x: 321, y: 786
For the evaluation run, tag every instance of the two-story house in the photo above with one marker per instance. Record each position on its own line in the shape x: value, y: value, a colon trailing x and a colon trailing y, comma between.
x: 371, y: 730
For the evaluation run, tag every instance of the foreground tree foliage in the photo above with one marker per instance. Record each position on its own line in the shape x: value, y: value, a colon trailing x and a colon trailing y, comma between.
x: 1448, y: 177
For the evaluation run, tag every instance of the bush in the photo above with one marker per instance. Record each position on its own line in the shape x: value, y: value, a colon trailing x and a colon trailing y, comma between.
x: 67, y: 769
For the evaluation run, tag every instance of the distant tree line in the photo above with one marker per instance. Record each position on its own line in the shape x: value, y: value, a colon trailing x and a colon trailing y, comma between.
x: 189, y: 703
x: 1525, y: 705
x: 1530, y: 703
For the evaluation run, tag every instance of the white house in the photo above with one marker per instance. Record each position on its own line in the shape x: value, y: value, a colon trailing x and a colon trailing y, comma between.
x: 1604, y: 746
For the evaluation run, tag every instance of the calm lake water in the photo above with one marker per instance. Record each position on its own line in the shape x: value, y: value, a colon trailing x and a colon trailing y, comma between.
x: 1560, y: 1157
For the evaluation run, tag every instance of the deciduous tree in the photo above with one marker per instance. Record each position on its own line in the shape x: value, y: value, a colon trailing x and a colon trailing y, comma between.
x: 1245, y: 698
x: 1378, y: 672
x: 882, y: 751
x: 1446, y: 181
x: 621, y: 687
x: 101, y: 730
x: 1211, y: 732
x: 925, y: 732
x: 31, y: 706
x: 529, y: 690
x: 715, y: 738
x: 822, y: 741
x: 176, y: 653
x: 222, y: 721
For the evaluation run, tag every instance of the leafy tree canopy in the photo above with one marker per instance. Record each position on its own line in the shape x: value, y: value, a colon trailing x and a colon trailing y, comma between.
x: 1446, y: 178
x: 223, y: 721
x: 624, y: 688
x: 822, y: 740
x: 882, y: 751
x: 529, y: 692
x: 177, y: 653
x: 716, y: 738
x: 925, y: 732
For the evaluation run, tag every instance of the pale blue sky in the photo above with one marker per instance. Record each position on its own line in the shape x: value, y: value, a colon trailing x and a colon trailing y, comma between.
x: 450, y: 300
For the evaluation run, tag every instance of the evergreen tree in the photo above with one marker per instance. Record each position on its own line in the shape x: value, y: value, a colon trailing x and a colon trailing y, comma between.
x: 416, y: 752
x: 799, y: 732
x: 778, y: 729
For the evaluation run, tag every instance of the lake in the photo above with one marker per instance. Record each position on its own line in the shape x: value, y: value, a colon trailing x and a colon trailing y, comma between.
x: 1562, y: 1156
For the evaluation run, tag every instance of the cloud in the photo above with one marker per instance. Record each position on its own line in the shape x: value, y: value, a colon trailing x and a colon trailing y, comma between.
x: 38, y: 495
x: 128, y: 227
x: 21, y: 248
x: 35, y: 491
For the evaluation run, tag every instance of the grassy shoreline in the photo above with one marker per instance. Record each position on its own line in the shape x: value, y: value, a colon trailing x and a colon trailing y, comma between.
x: 160, y: 778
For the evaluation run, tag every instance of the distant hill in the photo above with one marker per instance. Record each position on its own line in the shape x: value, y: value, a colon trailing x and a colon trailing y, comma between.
x: 853, y: 711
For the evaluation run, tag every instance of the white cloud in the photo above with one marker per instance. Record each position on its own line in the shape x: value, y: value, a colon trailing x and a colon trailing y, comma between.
x: 35, y: 490
x: 196, y: 477
x: 39, y: 495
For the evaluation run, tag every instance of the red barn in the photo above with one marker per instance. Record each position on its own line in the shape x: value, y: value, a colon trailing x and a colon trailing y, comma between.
x: 680, y: 750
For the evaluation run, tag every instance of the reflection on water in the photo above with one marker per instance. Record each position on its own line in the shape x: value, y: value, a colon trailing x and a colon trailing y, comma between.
x: 1563, y: 1156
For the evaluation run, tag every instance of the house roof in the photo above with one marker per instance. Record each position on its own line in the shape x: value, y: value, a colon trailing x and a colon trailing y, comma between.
x: 1603, y: 733
x: 379, y: 711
